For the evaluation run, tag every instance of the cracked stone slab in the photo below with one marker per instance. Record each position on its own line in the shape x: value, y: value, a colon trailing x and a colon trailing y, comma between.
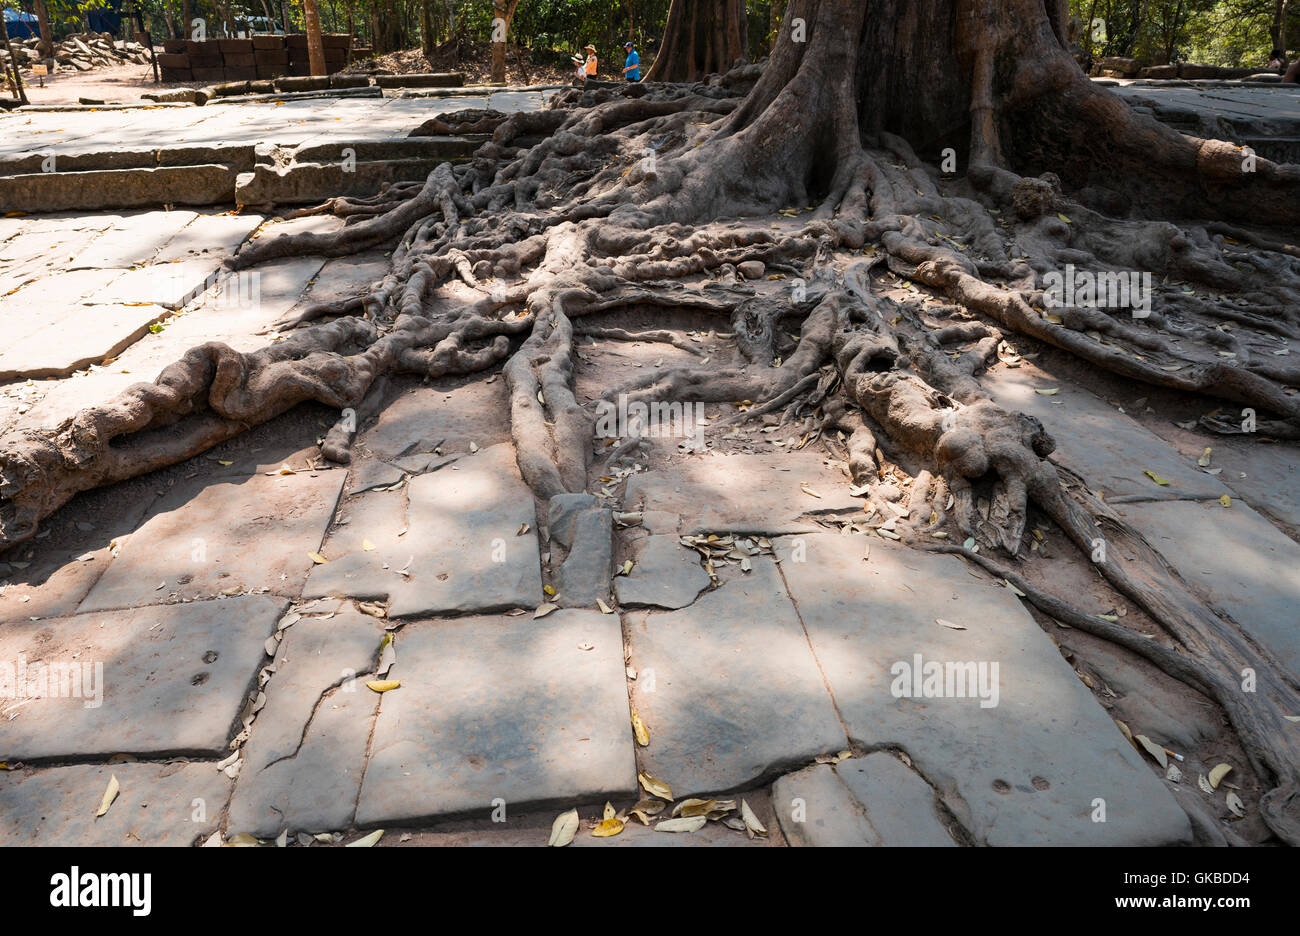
x: 160, y: 680
x: 501, y: 707
x: 815, y: 809
x: 583, y: 578
x: 562, y: 515
x: 1027, y: 770
x: 78, y: 335
x: 898, y: 804
x: 451, y: 419
x: 172, y: 805
x: 165, y: 284
x: 256, y: 533
x: 728, y: 688
x: 742, y: 493
x: 665, y: 574
x: 133, y: 239
x: 307, y: 749
x: 1108, y: 448
x: 462, y: 551
x: 220, y: 235
x: 1237, y: 561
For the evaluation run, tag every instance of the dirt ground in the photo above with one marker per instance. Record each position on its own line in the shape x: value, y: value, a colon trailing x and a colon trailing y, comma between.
x: 122, y: 84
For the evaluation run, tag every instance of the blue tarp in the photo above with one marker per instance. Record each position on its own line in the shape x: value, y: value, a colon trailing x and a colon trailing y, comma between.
x: 21, y: 25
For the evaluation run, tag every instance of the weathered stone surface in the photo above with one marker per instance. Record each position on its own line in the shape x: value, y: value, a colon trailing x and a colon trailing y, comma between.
x: 728, y: 687
x: 133, y: 239
x: 1267, y: 476
x: 1108, y: 448
x: 368, y: 474
x: 307, y: 750
x: 664, y: 574
x: 157, y: 805
x: 751, y: 269
x: 1237, y: 561
x: 78, y: 336
x: 172, y: 285
x: 427, y: 80
x: 303, y: 183
x: 424, y: 418
x: 562, y: 515
x: 501, y: 707
x: 898, y: 804
x: 119, y: 188
x: 165, y: 680
x: 255, y: 534
x: 1026, y: 770
x: 817, y: 810
x: 742, y: 493
x: 218, y: 235
x: 583, y: 578
x: 463, y: 552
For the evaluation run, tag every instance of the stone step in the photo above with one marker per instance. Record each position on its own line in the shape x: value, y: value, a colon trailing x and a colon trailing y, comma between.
x: 210, y: 184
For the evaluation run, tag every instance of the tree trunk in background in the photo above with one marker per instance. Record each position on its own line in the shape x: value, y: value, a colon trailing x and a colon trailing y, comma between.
x: 315, y: 51
x: 1278, y: 30
x: 503, y: 10
x: 284, y: 14
x: 701, y: 37
x: 46, y: 46
x: 426, y: 28
x: 17, y: 79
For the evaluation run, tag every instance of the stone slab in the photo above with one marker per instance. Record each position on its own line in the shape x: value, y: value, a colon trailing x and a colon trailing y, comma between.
x: 209, y: 234
x: 1109, y: 449
x: 252, y: 533
x: 1027, y: 770
x: 665, y: 574
x: 153, y: 681
x: 119, y: 188
x: 422, y: 418
x: 500, y: 707
x: 728, y: 687
x: 898, y: 804
x: 583, y: 578
x: 80, y: 335
x: 171, y: 805
x: 166, y: 284
x: 307, y: 750
x: 816, y: 810
x: 742, y: 493
x: 1237, y: 561
x: 461, y: 550
x: 133, y: 239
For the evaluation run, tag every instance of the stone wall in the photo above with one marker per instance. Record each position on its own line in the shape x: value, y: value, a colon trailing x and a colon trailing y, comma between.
x: 259, y: 57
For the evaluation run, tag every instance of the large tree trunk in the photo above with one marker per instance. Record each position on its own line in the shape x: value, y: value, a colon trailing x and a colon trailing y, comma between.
x: 700, y: 38
x: 315, y: 48
x: 46, y: 46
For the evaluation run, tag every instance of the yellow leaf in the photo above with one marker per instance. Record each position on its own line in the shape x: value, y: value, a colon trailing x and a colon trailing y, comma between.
x: 1065, y: 219
x: 317, y: 558
x: 220, y: 462
x: 367, y: 545
x: 607, y: 827
x: 1218, y: 773
x: 548, y: 589
x: 604, y: 608
x: 1156, y: 478
x: 110, y: 794
x: 383, y: 685
x: 368, y: 841
x: 639, y: 730
x: 610, y: 811
x: 1225, y: 500
x: 563, y: 829
x: 1204, y: 460
x: 655, y: 787
x: 1052, y: 392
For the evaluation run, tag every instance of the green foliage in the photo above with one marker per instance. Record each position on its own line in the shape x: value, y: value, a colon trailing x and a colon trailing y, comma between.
x: 1233, y: 33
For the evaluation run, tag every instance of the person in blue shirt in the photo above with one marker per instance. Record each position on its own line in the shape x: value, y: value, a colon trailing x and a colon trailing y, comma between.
x: 633, y: 70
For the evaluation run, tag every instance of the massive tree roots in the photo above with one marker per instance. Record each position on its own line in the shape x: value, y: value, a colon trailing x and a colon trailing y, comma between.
x: 610, y: 199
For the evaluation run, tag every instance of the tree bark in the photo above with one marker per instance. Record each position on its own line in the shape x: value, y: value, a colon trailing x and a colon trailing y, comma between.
x: 700, y: 38
x: 315, y: 50
x: 503, y: 13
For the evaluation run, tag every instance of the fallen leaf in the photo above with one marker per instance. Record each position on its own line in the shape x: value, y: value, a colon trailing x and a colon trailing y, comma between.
x: 752, y: 825
x: 639, y: 730
x: 683, y: 824
x: 604, y: 608
x: 1204, y: 460
x: 1225, y: 500
x: 317, y: 558
x: 655, y: 787
x: 1065, y: 219
x: 1155, y: 750
x: 368, y: 841
x: 383, y: 685
x: 950, y: 624
x: 1218, y: 773
x: 1052, y: 392
x: 1204, y: 784
x: 1233, y: 802
x: 367, y: 545
x: 608, y: 827
x: 543, y: 610
x: 110, y: 794
x: 1156, y: 478
x: 563, y: 829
